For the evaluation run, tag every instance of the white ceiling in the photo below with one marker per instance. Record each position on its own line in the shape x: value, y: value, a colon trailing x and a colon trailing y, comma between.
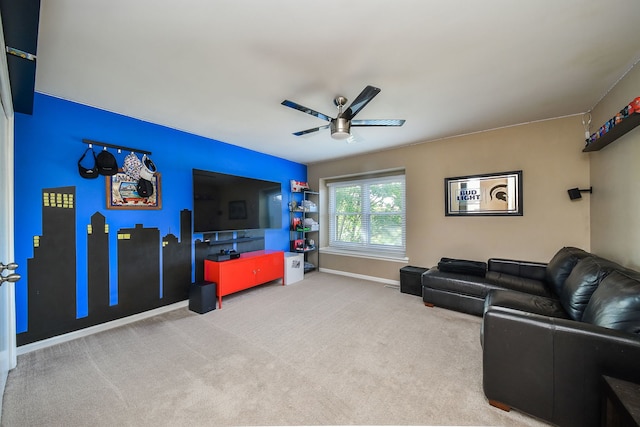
x: 221, y: 68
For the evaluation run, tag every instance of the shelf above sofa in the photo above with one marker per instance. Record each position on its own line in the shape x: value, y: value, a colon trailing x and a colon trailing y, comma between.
x: 616, y: 132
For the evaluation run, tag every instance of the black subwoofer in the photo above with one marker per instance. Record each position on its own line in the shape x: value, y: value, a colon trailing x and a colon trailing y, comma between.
x: 411, y: 280
x: 202, y: 297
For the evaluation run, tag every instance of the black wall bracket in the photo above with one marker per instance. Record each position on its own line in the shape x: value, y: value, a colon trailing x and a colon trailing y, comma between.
x: 576, y: 193
x: 118, y: 147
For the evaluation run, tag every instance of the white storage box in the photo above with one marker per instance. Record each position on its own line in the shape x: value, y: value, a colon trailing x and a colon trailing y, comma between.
x: 293, y: 267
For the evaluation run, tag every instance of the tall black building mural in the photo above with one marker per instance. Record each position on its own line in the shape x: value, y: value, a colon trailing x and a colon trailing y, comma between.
x: 98, y: 276
x: 138, y: 269
x: 52, y: 271
x: 176, y: 261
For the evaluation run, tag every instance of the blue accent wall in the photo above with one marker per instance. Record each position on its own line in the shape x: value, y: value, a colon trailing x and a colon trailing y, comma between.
x: 48, y: 145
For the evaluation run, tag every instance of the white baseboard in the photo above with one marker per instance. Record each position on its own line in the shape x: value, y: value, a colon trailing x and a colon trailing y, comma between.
x: 361, y: 276
x: 27, y: 348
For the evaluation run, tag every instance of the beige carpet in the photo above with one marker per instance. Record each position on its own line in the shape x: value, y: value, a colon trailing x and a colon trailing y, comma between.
x: 329, y: 350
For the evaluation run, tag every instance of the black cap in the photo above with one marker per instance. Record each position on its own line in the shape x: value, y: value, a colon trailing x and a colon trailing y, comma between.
x: 145, y: 188
x: 91, y: 172
x: 107, y: 164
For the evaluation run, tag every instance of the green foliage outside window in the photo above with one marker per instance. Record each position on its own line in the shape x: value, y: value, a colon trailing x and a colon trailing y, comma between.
x: 370, y: 214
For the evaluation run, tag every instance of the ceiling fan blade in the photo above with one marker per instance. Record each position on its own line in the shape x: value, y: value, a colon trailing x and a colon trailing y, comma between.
x: 367, y: 94
x: 304, y: 132
x: 378, y: 122
x: 307, y: 110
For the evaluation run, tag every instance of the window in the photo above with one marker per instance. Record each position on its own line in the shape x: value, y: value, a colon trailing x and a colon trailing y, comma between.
x: 368, y: 215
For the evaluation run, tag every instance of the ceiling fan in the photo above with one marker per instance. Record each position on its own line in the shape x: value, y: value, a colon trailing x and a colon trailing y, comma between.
x: 341, y: 125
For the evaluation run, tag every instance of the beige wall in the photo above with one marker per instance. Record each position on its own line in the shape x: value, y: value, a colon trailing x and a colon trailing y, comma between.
x: 549, y: 154
x: 615, y: 176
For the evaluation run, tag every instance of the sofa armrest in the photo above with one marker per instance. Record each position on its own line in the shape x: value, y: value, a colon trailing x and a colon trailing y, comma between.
x: 551, y: 368
x: 526, y: 269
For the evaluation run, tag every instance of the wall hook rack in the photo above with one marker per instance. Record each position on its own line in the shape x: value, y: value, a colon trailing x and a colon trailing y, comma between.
x: 118, y: 147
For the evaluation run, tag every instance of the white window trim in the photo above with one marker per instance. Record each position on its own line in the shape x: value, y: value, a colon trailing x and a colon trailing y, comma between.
x: 373, y: 251
x: 364, y: 254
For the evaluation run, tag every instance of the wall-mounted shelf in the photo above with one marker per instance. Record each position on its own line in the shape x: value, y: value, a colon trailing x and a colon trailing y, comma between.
x: 616, y: 132
x: 240, y: 241
x: 230, y: 241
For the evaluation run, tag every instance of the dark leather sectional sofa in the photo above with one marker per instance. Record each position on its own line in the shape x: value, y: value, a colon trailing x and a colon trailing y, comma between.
x: 550, y: 331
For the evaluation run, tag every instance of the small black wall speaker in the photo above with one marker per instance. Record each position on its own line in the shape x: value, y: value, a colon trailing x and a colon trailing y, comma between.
x: 576, y: 193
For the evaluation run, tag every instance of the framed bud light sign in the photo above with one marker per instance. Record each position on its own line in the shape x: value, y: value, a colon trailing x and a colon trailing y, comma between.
x: 498, y: 194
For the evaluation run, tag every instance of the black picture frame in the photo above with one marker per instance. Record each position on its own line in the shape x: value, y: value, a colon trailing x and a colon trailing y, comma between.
x: 491, y: 194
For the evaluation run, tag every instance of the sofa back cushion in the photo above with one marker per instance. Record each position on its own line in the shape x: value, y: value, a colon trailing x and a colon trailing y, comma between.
x: 561, y: 265
x: 616, y: 303
x: 581, y: 284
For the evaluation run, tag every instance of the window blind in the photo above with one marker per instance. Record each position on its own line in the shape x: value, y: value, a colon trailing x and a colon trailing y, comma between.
x: 368, y: 215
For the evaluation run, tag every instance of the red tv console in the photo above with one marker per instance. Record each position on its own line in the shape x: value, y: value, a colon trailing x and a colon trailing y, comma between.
x: 251, y: 269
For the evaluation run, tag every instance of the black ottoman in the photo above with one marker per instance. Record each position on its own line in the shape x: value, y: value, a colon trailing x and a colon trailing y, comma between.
x: 411, y: 280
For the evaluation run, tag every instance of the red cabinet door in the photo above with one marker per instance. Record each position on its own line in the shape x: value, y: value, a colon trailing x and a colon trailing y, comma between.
x: 237, y: 275
x: 270, y: 267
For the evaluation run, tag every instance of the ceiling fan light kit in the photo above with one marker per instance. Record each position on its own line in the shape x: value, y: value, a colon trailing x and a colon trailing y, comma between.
x: 340, y: 128
x: 341, y: 124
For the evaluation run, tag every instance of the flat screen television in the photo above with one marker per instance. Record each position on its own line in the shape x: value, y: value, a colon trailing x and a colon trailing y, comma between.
x: 223, y: 202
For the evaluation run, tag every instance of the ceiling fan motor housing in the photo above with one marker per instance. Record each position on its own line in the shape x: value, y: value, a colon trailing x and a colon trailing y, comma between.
x: 340, y: 128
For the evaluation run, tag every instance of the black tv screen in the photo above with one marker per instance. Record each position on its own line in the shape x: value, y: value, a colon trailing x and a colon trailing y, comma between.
x: 223, y: 202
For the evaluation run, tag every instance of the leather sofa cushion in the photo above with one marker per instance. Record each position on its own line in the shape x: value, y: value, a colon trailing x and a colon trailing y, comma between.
x: 521, y: 284
x: 616, y: 303
x: 464, y: 284
x: 529, y: 269
x: 581, y: 284
x: 475, y: 286
x: 561, y: 265
x: 520, y: 301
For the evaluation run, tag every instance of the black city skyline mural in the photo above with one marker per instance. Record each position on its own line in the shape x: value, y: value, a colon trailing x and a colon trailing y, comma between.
x: 151, y: 272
